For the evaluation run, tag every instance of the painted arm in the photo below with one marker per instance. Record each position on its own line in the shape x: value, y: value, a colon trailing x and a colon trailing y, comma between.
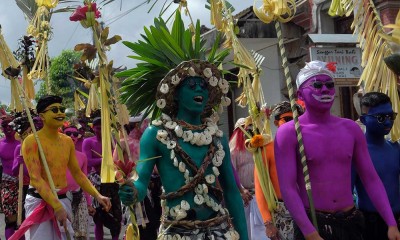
x: 93, y: 162
x: 370, y: 178
x: 18, y: 160
x: 232, y: 196
x: 85, y: 171
x: 76, y: 172
x: 31, y: 156
x: 268, y: 159
x: 285, y: 148
x: 148, y: 149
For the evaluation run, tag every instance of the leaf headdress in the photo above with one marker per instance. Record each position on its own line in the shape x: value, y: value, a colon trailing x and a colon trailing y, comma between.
x: 163, y: 53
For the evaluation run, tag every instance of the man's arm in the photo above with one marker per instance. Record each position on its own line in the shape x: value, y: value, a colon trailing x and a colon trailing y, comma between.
x: 76, y: 172
x: 31, y: 157
x: 370, y: 178
x: 285, y: 148
x: 144, y: 168
x: 232, y: 196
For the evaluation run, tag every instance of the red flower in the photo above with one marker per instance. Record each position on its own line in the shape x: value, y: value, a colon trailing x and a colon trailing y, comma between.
x: 80, y: 12
x: 331, y: 66
x: 126, y: 167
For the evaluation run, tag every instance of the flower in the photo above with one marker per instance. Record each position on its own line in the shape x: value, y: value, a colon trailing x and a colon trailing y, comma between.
x: 85, y: 14
x: 257, y: 141
x: 124, y: 171
x: 331, y: 66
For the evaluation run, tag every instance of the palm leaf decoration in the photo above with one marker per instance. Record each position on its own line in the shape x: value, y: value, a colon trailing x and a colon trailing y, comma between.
x: 159, y: 51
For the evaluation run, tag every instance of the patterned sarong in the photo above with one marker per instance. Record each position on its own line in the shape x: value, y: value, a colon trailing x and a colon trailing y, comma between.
x: 283, y: 221
x: 80, y: 216
x: 9, y: 195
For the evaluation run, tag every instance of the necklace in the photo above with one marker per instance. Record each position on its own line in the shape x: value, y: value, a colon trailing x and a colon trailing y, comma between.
x: 189, y: 126
x: 205, y: 137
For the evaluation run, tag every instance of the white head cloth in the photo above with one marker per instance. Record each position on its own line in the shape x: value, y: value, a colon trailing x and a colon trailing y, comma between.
x: 135, y: 119
x: 312, y: 69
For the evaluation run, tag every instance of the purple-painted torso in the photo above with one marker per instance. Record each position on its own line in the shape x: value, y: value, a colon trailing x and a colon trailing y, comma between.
x: 91, y: 147
x: 7, y: 147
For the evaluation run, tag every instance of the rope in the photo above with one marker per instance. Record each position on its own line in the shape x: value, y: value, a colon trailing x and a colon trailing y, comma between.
x: 289, y: 84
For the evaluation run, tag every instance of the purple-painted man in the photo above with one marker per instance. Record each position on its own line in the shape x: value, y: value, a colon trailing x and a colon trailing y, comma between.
x: 92, y: 148
x: 332, y: 145
x: 9, y: 183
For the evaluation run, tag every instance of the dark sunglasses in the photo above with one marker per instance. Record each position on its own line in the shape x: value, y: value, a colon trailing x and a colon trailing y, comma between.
x: 192, y: 82
x: 286, y: 119
x: 75, y: 134
x: 381, y: 118
x: 56, y: 109
x: 319, y: 84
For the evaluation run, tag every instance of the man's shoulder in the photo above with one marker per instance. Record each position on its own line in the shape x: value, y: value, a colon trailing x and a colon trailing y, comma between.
x: 89, y: 139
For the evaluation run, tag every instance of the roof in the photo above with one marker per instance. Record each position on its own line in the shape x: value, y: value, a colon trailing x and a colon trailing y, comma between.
x: 333, y: 38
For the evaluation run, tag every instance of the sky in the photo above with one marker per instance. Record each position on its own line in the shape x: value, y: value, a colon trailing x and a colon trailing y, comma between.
x: 67, y: 34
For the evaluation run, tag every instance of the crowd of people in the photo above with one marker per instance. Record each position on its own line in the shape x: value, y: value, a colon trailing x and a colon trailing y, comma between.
x: 195, y: 184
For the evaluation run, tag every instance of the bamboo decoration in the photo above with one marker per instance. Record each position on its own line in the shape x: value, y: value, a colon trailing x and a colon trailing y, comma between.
x: 376, y: 45
x: 9, y: 63
x: 40, y: 29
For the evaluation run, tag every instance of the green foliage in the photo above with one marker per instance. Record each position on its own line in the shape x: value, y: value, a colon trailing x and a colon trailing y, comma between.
x: 159, y: 51
x: 61, y: 79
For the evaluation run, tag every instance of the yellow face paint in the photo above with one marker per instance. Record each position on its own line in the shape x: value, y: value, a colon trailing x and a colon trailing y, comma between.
x: 53, y: 116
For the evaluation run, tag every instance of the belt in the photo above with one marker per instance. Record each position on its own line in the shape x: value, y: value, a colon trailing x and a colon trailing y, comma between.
x: 33, y: 193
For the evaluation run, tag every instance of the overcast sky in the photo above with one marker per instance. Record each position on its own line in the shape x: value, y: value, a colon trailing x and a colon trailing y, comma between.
x: 67, y: 34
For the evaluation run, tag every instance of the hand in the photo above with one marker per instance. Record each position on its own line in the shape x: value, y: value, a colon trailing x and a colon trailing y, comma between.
x: 313, y: 236
x: 104, y: 201
x: 61, y: 216
x: 271, y: 231
x: 127, y: 195
x: 393, y: 233
x: 246, y: 196
x: 91, y: 210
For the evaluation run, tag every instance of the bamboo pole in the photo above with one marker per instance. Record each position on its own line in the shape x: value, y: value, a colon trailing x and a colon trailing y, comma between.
x: 303, y: 160
x: 20, y: 193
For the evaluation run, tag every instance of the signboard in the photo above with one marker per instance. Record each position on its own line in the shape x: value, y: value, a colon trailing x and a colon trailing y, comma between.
x: 348, y: 60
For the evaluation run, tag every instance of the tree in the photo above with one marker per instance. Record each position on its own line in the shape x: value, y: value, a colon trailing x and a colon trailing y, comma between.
x: 61, y: 79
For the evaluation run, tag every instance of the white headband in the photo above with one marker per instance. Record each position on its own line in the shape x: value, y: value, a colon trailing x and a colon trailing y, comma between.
x: 314, y: 68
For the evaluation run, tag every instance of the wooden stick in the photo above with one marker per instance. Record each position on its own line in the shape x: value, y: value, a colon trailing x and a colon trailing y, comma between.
x: 20, y: 193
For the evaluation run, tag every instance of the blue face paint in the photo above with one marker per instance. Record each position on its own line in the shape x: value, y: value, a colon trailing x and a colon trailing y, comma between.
x: 379, y: 120
x: 193, y: 95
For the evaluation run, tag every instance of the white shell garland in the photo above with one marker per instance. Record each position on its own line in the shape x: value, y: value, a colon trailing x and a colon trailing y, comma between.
x: 175, y: 80
x: 161, y: 103
x: 192, y: 72
x: 205, y: 137
x: 213, y: 81
x: 207, y: 72
x: 164, y: 88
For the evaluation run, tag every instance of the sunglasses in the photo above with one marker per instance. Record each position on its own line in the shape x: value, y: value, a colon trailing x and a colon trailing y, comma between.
x: 56, y: 109
x: 192, y: 82
x: 75, y: 134
x: 319, y: 84
x: 286, y: 119
x: 381, y: 118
